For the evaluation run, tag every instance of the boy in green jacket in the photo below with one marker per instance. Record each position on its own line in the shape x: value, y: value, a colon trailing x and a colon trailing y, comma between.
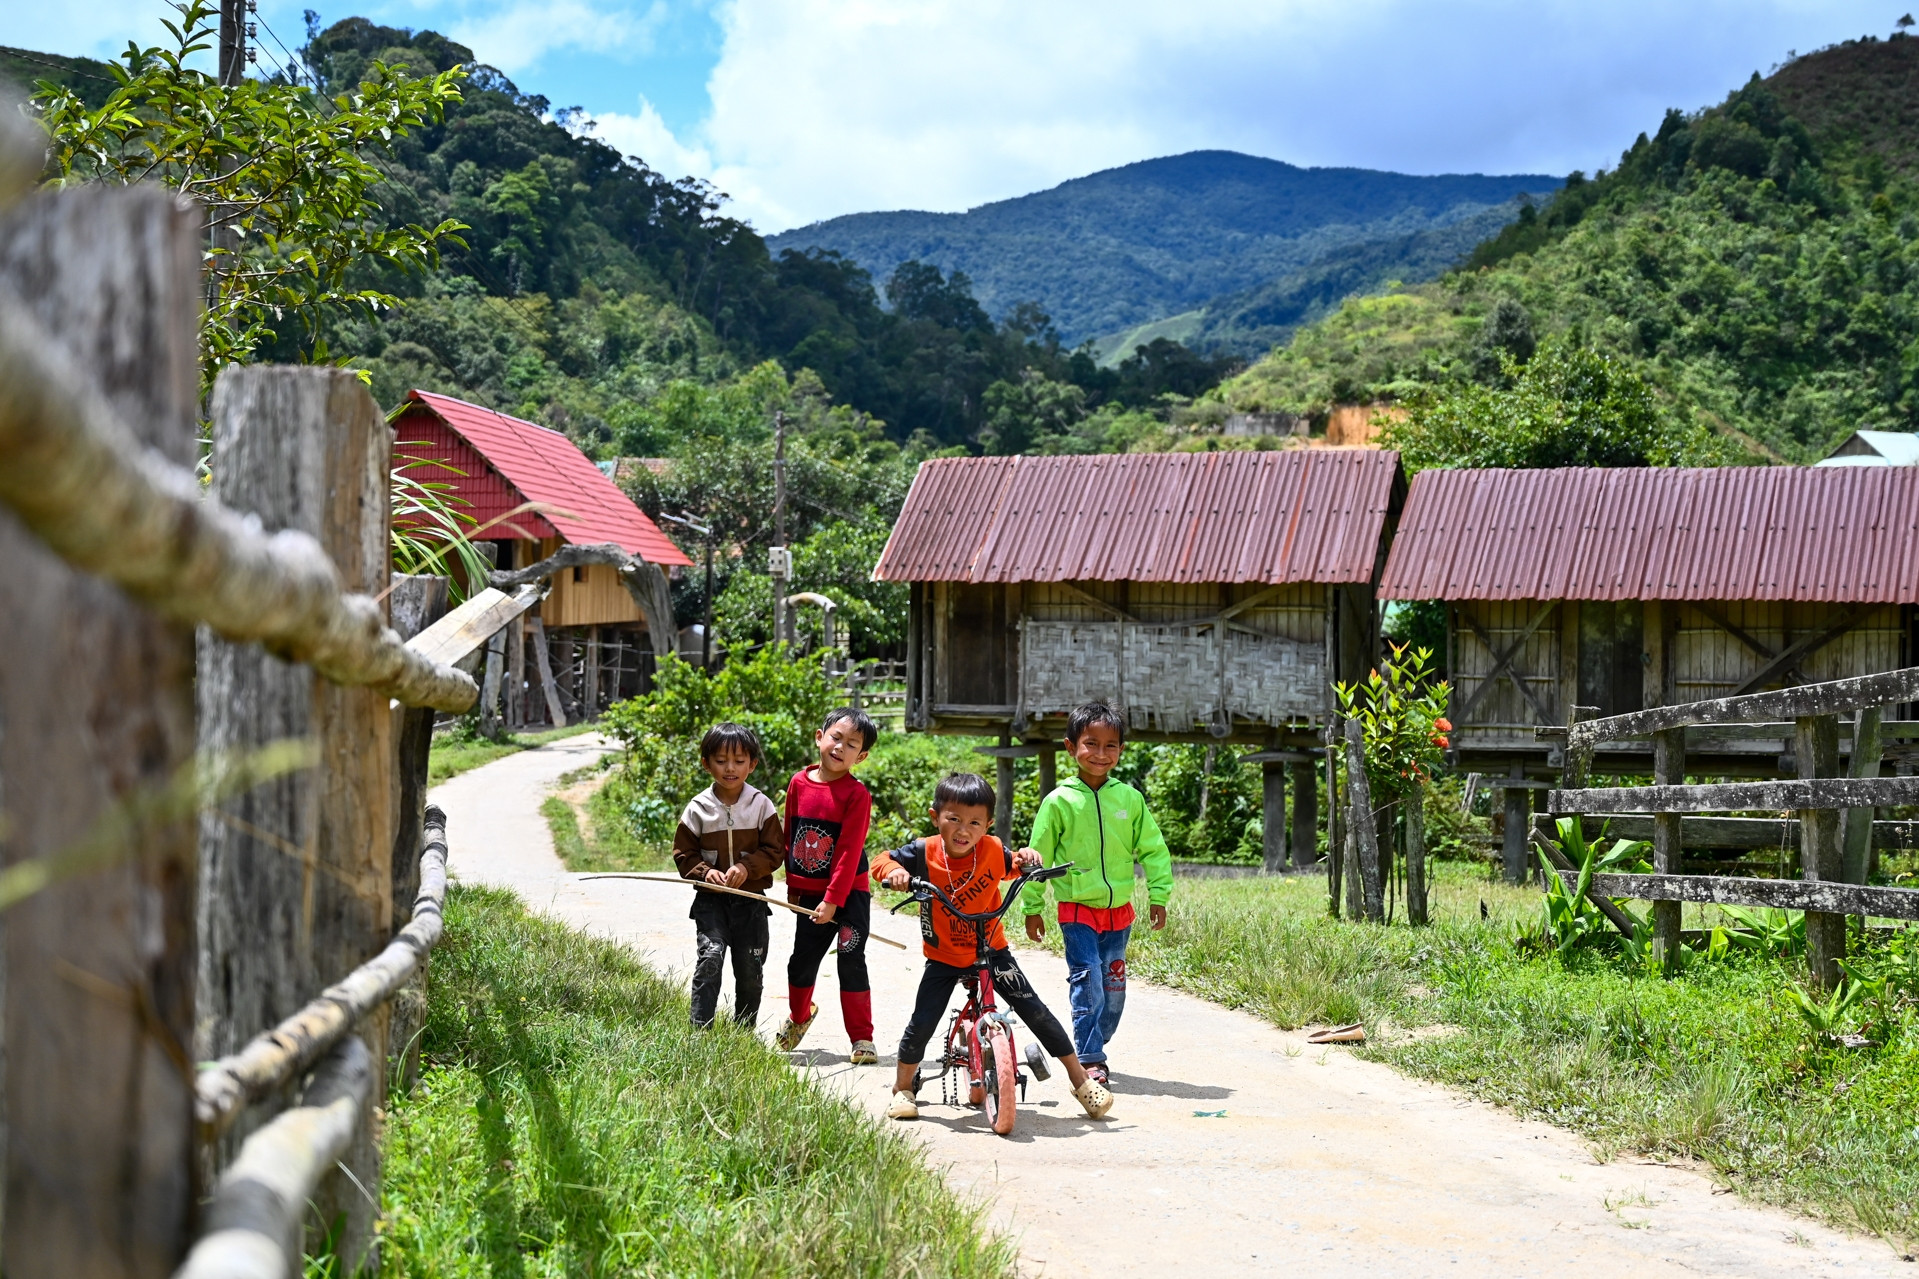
x: 1101, y: 826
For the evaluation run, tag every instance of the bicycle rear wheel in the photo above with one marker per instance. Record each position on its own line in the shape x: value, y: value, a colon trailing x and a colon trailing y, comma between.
x: 1001, y: 1079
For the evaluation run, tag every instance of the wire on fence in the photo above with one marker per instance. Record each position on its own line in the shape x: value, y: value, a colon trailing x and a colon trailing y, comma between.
x: 80, y: 482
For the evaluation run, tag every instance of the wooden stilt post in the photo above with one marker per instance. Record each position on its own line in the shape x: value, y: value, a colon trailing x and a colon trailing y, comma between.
x: 1048, y: 769
x: 562, y: 659
x: 1363, y: 829
x: 1305, y: 832
x: 490, y: 719
x: 1816, y: 741
x: 1003, y: 788
x: 536, y: 635
x: 590, y: 675
x: 97, y: 697
x: 1273, y: 808
x: 1519, y: 816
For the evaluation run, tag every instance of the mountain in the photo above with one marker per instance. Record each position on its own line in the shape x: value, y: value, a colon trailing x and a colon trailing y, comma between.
x: 1128, y: 246
x: 1753, y: 262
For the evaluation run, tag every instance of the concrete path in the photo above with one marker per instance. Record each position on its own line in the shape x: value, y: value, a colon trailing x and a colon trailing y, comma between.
x: 1321, y: 1162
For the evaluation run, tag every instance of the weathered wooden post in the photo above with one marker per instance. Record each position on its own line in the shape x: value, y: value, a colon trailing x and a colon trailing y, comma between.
x: 1048, y: 769
x: 310, y: 896
x: 1363, y: 828
x: 1272, y: 779
x: 516, y: 674
x: 1305, y: 832
x: 1816, y: 742
x: 1003, y: 789
x: 1668, y: 769
x: 1519, y: 816
x: 96, y: 713
x: 415, y: 604
x: 1868, y: 747
x: 1415, y: 807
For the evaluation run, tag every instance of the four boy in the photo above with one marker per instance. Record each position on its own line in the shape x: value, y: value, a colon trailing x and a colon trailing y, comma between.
x: 729, y: 836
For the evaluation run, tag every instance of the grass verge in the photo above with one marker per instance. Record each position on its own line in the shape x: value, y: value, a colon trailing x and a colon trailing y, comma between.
x: 569, y: 1122
x: 1715, y: 1065
x: 591, y: 833
x: 456, y: 752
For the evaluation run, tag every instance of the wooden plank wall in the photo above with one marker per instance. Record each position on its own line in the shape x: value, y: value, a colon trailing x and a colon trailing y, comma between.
x: 1503, y: 709
x: 1709, y: 663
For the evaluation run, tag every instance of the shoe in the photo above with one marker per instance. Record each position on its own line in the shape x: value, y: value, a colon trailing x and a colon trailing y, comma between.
x: 1093, y: 1096
x: 864, y: 1053
x: 1097, y: 1071
x: 905, y: 1106
x: 791, y: 1032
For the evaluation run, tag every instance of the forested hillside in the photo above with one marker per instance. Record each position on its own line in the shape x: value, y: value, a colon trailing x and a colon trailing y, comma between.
x: 617, y: 303
x: 1755, y: 264
x: 1146, y: 241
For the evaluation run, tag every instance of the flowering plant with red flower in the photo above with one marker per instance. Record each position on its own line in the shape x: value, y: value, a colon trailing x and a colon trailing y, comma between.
x: 1401, y: 710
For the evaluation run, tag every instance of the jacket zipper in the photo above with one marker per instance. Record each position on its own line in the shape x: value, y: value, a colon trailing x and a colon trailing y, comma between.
x: 1100, y: 818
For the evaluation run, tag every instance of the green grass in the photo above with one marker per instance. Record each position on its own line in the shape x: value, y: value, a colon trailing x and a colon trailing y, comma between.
x: 604, y: 840
x: 568, y: 1122
x: 1716, y: 1065
x: 457, y: 752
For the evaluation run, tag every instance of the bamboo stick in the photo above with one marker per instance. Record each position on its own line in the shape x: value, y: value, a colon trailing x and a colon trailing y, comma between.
x: 737, y: 892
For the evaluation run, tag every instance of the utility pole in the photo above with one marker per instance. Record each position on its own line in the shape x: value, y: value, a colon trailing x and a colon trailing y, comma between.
x: 233, y: 40
x: 685, y: 520
x: 779, y: 561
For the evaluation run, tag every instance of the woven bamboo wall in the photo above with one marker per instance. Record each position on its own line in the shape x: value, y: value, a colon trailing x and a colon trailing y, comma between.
x: 1171, y: 679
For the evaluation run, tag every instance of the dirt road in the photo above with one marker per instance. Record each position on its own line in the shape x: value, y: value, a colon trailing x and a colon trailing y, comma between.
x: 1319, y: 1160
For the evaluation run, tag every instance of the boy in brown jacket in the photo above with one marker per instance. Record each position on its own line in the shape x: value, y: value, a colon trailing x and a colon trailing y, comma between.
x: 729, y: 834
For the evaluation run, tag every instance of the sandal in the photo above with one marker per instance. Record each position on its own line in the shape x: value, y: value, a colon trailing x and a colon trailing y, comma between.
x: 1094, y: 1096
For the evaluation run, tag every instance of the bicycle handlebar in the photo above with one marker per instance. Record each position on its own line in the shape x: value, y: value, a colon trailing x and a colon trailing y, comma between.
x: 924, y: 890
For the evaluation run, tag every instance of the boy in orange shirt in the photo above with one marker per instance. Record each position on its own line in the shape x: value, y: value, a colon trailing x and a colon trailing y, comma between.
x: 969, y: 865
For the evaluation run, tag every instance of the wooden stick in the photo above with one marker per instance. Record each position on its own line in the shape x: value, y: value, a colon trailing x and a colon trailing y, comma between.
x: 737, y: 892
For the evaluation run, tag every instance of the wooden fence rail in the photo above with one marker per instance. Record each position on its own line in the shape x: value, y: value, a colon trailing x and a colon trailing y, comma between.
x: 200, y: 934
x: 1833, y: 826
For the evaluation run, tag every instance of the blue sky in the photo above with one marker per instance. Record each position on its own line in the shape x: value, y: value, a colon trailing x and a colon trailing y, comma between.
x: 804, y: 109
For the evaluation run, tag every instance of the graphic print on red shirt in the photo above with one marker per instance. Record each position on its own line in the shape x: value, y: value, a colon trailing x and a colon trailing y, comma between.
x: 826, y: 825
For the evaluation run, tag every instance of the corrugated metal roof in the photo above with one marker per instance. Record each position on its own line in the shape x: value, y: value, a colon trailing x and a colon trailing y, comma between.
x: 1308, y: 515
x: 538, y: 465
x: 1835, y: 534
x: 1875, y: 448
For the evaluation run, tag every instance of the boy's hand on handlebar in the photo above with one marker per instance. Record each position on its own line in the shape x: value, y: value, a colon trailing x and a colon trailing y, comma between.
x: 1035, y: 927
x: 1157, y: 916
x: 1027, y: 859
x: 898, y: 879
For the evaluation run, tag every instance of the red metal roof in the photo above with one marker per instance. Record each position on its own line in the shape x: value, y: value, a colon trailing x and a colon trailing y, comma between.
x: 1307, y: 515
x: 1835, y: 534
x: 523, y: 463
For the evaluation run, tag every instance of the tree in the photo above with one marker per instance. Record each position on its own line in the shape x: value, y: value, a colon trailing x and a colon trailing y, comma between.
x: 290, y: 180
x: 1569, y: 407
x: 1024, y: 416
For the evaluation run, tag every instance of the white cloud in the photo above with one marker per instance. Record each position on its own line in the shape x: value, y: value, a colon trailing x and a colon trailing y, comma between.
x: 518, y: 36
x: 647, y: 136
x: 821, y: 107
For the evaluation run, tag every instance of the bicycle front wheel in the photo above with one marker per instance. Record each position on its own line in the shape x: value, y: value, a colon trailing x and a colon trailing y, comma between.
x: 1001, y: 1079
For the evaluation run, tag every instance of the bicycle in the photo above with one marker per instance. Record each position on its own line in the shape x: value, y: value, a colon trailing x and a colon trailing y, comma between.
x: 979, y: 1040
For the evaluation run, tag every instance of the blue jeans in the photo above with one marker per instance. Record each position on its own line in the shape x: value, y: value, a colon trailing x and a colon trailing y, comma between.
x: 1096, y: 981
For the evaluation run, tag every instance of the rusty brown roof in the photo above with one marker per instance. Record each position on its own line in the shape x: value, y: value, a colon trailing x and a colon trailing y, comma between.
x: 1837, y: 534
x: 1311, y: 515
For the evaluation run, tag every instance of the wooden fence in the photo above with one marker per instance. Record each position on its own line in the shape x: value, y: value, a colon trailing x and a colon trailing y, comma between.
x: 1833, y: 820
x: 210, y: 838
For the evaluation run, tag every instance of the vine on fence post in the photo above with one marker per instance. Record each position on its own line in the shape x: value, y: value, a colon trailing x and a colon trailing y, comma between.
x: 1401, y: 714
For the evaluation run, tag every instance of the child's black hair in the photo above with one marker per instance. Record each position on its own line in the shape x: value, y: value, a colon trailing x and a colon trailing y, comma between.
x: 721, y: 736
x: 1088, y: 714
x: 859, y: 719
x: 968, y: 790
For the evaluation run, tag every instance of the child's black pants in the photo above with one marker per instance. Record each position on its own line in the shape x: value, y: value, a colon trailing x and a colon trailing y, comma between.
x: 1010, y: 987
x: 811, y: 941
x: 724, y: 923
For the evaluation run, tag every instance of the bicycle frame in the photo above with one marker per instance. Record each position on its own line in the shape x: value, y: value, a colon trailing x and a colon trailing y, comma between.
x: 980, y: 1005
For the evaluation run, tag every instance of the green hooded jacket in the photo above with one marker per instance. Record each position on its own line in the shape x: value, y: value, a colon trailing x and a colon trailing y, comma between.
x: 1102, y: 833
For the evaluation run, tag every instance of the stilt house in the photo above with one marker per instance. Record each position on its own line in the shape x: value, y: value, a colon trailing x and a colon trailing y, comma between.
x: 1211, y: 597
x: 587, y: 634
x: 1621, y: 589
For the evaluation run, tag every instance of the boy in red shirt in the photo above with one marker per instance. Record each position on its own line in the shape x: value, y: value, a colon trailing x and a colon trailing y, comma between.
x: 827, y: 815
x: 969, y: 865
